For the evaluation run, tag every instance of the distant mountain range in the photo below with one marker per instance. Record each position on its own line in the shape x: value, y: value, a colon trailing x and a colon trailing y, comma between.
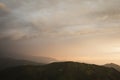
x: 9, y: 62
x: 6, y: 62
x: 112, y: 65
x: 60, y: 71
x: 40, y: 59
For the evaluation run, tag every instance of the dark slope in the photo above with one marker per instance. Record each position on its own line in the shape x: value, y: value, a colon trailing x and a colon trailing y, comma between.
x: 112, y: 65
x: 60, y: 71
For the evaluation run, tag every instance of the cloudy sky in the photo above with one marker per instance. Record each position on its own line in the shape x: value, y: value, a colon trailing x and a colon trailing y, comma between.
x: 79, y: 30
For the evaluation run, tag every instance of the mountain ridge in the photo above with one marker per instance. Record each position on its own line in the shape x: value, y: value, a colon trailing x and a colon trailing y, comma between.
x: 61, y: 71
x: 113, y: 65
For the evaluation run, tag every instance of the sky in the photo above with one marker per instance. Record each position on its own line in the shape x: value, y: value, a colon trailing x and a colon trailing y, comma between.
x: 68, y: 30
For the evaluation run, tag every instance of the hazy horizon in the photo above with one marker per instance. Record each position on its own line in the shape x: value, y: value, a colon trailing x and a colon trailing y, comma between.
x: 68, y: 30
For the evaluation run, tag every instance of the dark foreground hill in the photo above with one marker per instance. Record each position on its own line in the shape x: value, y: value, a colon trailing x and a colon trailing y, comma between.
x: 60, y: 71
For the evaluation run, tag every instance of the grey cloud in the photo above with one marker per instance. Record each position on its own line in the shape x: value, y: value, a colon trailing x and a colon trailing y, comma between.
x: 51, y: 19
x: 3, y: 9
x: 37, y: 20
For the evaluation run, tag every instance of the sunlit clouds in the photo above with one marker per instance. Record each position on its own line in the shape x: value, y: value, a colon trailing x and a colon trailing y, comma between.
x: 80, y: 30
